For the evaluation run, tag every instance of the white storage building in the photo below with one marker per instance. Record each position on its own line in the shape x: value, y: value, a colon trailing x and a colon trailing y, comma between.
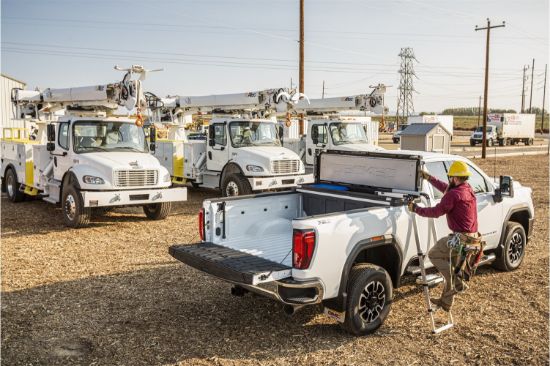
x: 7, y: 110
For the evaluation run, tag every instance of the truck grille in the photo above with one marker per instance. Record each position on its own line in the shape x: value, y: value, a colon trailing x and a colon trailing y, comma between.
x: 285, y: 166
x: 135, y: 178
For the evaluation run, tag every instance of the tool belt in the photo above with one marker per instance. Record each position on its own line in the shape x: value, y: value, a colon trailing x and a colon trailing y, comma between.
x: 468, y: 251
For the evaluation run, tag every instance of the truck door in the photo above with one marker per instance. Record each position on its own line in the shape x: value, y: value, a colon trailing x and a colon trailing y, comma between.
x: 316, y: 141
x: 438, y: 170
x: 62, y: 154
x: 217, y: 149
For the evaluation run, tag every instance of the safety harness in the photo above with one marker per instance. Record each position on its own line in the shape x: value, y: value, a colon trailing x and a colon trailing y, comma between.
x: 466, y: 251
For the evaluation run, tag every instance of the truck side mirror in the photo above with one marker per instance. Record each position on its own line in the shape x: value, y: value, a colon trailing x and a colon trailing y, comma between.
x: 315, y: 134
x: 281, y: 133
x: 50, y: 145
x: 506, y: 186
x: 152, y: 139
x: 211, y: 141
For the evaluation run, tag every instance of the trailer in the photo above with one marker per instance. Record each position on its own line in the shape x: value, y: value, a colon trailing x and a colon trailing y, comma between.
x: 86, y: 160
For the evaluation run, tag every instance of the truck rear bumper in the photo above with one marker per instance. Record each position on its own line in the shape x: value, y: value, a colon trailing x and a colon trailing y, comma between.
x: 251, y: 272
x: 133, y: 197
x: 263, y: 183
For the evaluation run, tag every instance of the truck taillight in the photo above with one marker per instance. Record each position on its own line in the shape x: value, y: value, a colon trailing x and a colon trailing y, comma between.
x: 201, y: 223
x: 303, y: 244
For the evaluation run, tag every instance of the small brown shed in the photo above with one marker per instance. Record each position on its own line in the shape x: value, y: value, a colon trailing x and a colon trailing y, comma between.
x: 426, y: 137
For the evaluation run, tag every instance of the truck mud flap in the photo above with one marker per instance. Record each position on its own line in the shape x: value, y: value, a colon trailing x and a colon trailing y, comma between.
x: 229, y: 264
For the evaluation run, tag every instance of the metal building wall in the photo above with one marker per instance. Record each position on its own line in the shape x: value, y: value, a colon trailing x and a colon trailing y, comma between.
x: 6, y: 107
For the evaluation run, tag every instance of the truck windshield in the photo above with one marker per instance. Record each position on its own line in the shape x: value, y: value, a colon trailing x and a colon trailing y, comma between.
x: 92, y: 136
x: 248, y: 133
x: 347, y: 133
x: 480, y: 129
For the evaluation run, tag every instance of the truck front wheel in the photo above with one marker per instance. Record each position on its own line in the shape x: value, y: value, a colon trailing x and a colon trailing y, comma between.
x: 12, y: 187
x: 511, y: 253
x: 369, y: 299
x: 235, y: 184
x: 74, y: 213
x: 157, y: 211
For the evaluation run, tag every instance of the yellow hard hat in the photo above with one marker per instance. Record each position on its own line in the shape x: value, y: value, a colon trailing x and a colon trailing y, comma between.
x: 459, y: 169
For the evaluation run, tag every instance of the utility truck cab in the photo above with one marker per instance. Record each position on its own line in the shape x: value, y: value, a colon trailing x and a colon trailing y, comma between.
x: 85, y: 160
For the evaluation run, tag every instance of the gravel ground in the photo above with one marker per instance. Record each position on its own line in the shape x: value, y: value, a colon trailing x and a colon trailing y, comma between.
x: 111, y: 294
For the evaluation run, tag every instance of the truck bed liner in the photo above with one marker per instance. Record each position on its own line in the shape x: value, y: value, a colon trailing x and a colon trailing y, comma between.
x: 225, y: 263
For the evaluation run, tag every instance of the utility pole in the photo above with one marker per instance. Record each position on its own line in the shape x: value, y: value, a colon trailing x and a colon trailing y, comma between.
x: 323, y: 97
x: 486, y: 89
x: 479, y: 111
x: 544, y: 100
x: 532, y: 74
x: 301, y: 82
x: 525, y: 68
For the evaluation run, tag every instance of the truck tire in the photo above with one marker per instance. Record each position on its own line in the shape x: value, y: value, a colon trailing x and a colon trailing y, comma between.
x: 369, y: 299
x: 528, y: 142
x: 74, y: 213
x: 235, y: 184
x: 511, y: 253
x: 157, y: 211
x: 472, y: 143
x: 12, y: 186
x: 501, y: 142
x: 490, y: 142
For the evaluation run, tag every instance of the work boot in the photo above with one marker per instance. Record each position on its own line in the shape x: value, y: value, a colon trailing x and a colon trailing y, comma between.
x: 440, y: 304
x: 461, y: 286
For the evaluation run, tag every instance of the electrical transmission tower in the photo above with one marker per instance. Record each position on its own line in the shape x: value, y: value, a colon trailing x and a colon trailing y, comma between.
x: 405, y: 106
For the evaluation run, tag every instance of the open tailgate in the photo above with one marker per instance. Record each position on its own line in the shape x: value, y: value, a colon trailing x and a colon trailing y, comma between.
x: 229, y: 264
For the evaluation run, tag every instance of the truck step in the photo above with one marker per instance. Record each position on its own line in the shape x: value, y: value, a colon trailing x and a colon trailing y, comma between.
x: 414, y: 270
x: 486, y: 259
x: 431, y: 279
x: 50, y: 200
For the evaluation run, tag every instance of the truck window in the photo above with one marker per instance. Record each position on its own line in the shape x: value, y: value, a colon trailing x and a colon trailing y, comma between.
x: 63, y: 138
x: 478, y: 183
x: 438, y: 170
x: 219, y: 134
x: 321, y: 132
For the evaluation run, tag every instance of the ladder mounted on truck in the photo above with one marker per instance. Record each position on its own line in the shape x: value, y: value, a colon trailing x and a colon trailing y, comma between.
x: 372, y: 102
x: 94, y: 99
x: 261, y: 103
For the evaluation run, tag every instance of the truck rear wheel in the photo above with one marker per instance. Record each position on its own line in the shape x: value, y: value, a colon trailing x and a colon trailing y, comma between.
x: 511, y: 253
x: 490, y: 142
x: 369, y: 299
x: 157, y: 211
x: 74, y: 213
x: 472, y: 143
x: 235, y: 184
x: 12, y: 186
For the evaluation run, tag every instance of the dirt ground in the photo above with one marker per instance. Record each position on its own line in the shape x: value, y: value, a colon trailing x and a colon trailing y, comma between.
x: 110, y: 294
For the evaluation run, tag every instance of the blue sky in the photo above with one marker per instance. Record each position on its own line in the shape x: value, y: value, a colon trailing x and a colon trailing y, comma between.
x: 216, y: 46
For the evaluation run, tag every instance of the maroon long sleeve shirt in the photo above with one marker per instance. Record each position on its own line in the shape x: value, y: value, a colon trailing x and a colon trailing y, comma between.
x: 459, y: 204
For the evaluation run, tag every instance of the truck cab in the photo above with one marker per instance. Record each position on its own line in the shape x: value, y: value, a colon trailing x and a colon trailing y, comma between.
x: 246, y: 155
x: 477, y: 135
x: 336, y: 134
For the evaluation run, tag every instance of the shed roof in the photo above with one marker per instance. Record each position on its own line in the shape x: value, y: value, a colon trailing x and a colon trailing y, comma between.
x: 420, y: 129
x: 12, y: 78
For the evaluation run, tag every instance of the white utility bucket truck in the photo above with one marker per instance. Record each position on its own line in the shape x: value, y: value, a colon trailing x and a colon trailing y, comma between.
x: 329, y: 129
x: 86, y: 160
x: 242, y: 152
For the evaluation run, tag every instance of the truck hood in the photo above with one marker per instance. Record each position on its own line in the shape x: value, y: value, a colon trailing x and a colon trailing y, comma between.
x: 120, y: 160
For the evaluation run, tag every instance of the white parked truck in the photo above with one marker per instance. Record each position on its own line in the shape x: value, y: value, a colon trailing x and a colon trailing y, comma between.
x: 347, y: 240
x: 241, y: 154
x: 85, y: 160
x: 511, y: 128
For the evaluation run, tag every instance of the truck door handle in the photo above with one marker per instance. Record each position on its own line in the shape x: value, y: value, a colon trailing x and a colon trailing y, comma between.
x: 210, y: 155
x: 309, y: 151
x: 55, y: 161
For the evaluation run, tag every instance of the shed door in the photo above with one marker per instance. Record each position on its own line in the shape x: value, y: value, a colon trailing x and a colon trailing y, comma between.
x: 438, y: 143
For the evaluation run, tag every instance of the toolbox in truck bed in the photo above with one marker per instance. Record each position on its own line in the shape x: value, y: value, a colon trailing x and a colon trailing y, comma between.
x: 228, y: 264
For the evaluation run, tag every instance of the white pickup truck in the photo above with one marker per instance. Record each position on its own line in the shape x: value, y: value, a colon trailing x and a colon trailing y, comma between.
x: 347, y: 240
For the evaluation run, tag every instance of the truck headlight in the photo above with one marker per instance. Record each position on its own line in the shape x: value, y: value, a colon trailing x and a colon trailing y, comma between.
x: 167, y: 178
x: 254, y: 168
x: 90, y: 179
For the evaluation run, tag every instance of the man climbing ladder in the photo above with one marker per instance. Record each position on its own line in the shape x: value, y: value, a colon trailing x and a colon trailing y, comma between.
x: 459, y: 204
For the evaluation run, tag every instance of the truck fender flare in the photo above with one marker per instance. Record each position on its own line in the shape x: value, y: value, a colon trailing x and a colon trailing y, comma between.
x: 230, y: 167
x: 69, y: 178
x: 511, y: 211
x: 387, y: 240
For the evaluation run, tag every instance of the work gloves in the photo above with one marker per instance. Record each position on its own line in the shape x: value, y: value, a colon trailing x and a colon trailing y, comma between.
x: 425, y: 174
x: 412, y: 206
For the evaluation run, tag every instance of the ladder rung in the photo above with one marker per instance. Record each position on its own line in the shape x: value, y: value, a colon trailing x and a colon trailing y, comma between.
x: 442, y: 328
